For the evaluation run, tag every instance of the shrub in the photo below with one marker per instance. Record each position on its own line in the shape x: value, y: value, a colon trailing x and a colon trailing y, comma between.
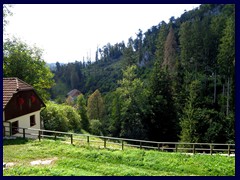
x: 59, y: 117
x: 95, y: 127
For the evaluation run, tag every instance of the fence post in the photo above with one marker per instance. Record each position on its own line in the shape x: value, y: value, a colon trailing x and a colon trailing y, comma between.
x: 140, y: 145
x: 71, y: 138
x: 211, y: 149
x: 10, y: 129
x: 39, y: 135
x: 193, y: 148
x: 229, y: 152
x: 88, y: 139
x: 176, y: 147
x: 104, y: 142
x: 55, y: 136
x: 23, y: 133
x: 122, y: 144
x: 158, y: 146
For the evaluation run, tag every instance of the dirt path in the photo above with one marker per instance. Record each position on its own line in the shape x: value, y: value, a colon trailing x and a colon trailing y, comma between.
x: 33, y: 163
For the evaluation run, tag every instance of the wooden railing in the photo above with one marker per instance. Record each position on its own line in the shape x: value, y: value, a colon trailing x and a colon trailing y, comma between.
x: 107, y: 142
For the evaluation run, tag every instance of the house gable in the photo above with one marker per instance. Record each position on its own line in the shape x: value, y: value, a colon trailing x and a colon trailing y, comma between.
x: 19, y: 98
x: 73, y: 93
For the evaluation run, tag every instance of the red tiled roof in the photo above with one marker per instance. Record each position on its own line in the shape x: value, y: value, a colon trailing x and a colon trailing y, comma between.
x: 11, y: 86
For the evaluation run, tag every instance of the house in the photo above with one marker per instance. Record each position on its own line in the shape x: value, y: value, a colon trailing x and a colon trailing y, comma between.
x: 21, y: 107
x: 73, y: 94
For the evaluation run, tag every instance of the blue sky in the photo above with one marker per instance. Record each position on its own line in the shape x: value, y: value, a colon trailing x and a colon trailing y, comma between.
x: 69, y: 32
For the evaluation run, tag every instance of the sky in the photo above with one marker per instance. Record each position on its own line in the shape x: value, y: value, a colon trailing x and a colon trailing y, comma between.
x: 69, y: 32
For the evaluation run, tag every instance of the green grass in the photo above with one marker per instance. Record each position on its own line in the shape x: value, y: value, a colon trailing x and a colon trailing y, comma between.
x: 75, y: 160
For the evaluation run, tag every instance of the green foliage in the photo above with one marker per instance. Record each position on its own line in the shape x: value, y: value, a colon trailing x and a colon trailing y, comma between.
x: 155, y: 96
x: 226, y: 56
x: 61, y: 118
x: 191, y: 115
x: 82, y: 110
x: 132, y: 99
x: 159, y: 54
x: 95, y: 127
x: 58, y: 92
x: 74, y: 119
x: 178, y: 80
x: 185, y: 43
x: 162, y: 114
x: 115, y: 117
x: 25, y: 62
x: 128, y: 54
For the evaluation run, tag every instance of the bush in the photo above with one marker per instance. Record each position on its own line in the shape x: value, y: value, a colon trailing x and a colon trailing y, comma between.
x: 95, y: 127
x: 59, y: 117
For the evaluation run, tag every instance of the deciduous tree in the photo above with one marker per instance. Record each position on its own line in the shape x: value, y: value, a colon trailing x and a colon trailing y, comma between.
x: 25, y: 62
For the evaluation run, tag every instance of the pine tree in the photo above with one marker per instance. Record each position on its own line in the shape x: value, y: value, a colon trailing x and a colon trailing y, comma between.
x: 115, y: 122
x: 189, y: 121
x: 170, y: 54
x: 162, y: 118
x: 128, y: 54
x: 185, y: 34
x: 133, y: 99
x: 159, y: 54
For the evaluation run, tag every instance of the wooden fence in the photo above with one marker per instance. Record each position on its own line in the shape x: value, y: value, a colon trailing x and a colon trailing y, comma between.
x: 107, y: 142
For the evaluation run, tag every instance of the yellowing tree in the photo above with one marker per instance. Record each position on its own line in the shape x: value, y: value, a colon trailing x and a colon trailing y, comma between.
x: 95, y: 106
x: 170, y: 47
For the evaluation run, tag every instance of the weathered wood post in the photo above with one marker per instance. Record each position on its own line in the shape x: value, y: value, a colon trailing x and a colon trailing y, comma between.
x: 71, y: 138
x: 176, y: 146
x: 55, y: 136
x: 211, y: 149
x: 140, y: 145
x: 194, y: 149
x: 105, y: 142
x: 229, y: 152
x: 158, y: 146
x: 39, y: 135
x: 122, y: 144
x: 88, y: 139
x: 23, y: 133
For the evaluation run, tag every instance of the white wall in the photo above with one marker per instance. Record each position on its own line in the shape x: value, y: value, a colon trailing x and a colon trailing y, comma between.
x: 24, y: 122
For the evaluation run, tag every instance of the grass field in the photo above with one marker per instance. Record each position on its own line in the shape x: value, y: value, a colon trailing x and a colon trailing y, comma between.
x: 75, y: 160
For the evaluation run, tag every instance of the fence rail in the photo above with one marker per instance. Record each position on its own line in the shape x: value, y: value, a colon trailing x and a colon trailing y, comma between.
x: 124, y: 142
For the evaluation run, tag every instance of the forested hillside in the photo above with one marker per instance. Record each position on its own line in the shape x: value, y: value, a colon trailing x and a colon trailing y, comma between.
x: 174, y: 82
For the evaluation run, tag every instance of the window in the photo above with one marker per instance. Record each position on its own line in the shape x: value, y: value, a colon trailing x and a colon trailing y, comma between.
x: 15, y: 128
x: 32, y: 120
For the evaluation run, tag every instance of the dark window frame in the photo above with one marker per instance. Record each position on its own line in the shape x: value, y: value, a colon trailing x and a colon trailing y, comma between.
x: 15, y: 127
x: 32, y: 120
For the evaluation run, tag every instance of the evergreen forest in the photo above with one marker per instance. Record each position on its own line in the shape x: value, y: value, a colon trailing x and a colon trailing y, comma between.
x: 174, y: 82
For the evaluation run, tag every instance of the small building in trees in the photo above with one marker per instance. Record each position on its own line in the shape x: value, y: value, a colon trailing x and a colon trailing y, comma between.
x: 73, y: 94
x: 21, y: 107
